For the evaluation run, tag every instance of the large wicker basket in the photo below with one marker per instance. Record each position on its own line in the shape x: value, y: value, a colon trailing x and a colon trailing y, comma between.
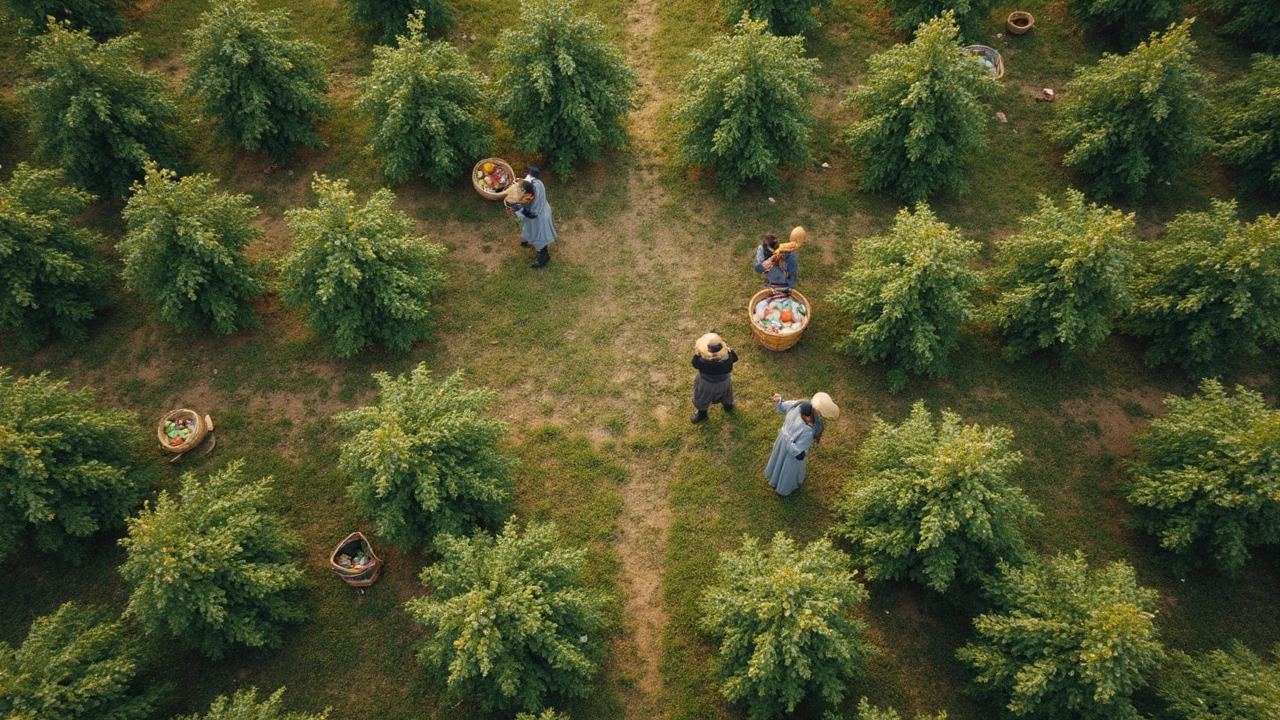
x: 488, y: 194
x: 992, y: 56
x: 778, y: 343
x: 197, y: 436
x: 355, y: 577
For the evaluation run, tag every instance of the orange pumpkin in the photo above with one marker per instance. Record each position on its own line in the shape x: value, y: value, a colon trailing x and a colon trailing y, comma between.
x: 786, y: 316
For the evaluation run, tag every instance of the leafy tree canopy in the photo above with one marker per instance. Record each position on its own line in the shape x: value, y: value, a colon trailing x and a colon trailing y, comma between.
x: 1133, y: 119
x: 1126, y: 20
x: 910, y: 15
x: 390, y: 18
x: 185, y: 252
x: 867, y: 711
x: 76, y: 664
x: 1066, y: 642
x: 262, y: 84
x: 1247, y: 136
x: 1257, y: 21
x: 934, y: 503
x: 921, y: 115
x: 906, y: 294
x: 785, y: 17
x: 101, y: 18
x: 1063, y: 278
x: 214, y: 569
x: 94, y: 114
x: 1205, y: 484
x: 52, y: 278
x: 67, y: 466
x: 1230, y: 684
x: 244, y: 705
x: 362, y: 276
x: 784, y: 619
x: 510, y: 619
x: 426, y: 103
x: 1208, y: 292
x: 564, y: 88
x: 744, y: 108
x: 423, y: 461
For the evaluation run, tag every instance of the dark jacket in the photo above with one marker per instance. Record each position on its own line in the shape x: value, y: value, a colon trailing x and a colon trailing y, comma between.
x: 715, y: 370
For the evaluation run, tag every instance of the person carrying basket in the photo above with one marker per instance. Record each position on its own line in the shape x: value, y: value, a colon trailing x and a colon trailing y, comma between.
x: 777, y: 263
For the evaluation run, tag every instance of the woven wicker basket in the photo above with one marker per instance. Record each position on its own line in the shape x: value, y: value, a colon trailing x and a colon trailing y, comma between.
x: 991, y: 54
x: 778, y: 343
x: 1019, y: 22
x: 355, y: 577
x: 197, y: 437
x: 488, y: 194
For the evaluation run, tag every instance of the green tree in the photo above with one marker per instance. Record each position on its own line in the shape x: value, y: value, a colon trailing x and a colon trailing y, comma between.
x: 920, y: 113
x: 1247, y: 136
x: 426, y: 105
x: 510, y: 619
x: 244, y: 705
x: 546, y: 715
x: 906, y: 294
x: 1063, y: 279
x: 1126, y: 20
x: 1209, y: 291
x: 101, y: 18
x: 785, y: 17
x: 784, y: 619
x: 76, y: 664
x: 390, y: 18
x: 185, y: 252
x: 94, y: 114
x: 744, y: 108
x: 363, y: 278
x: 1066, y: 642
x: 1136, y: 118
x: 1257, y: 21
x: 215, y: 569
x: 262, y: 84
x: 1205, y: 483
x: 564, y: 88
x: 866, y: 711
x: 909, y: 15
x: 934, y: 503
x: 1231, y: 684
x: 52, y: 278
x: 66, y: 465
x: 423, y: 461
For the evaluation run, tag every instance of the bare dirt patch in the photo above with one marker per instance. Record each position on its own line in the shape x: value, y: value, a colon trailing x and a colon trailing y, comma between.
x: 1118, y: 416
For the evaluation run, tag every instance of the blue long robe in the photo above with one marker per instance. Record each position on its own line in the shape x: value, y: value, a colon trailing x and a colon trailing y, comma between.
x: 539, y: 231
x: 784, y: 471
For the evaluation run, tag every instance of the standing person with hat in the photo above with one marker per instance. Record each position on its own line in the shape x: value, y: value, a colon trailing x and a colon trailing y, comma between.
x: 714, y: 362
x: 536, y: 227
x: 802, y: 428
x: 777, y: 262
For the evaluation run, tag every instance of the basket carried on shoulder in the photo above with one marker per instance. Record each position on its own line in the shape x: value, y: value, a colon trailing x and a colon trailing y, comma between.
x: 771, y: 341
x: 355, y: 575
x: 478, y: 176
x: 202, y: 427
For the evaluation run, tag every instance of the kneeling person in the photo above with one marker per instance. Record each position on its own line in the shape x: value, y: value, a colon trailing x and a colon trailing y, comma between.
x: 714, y: 384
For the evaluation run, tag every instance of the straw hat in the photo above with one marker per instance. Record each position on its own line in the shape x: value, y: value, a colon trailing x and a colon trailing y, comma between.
x: 825, y: 406
x: 515, y: 193
x: 711, y: 340
x: 799, y: 235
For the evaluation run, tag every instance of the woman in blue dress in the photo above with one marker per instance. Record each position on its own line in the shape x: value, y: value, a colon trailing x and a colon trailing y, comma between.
x: 802, y: 428
x: 536, y: 227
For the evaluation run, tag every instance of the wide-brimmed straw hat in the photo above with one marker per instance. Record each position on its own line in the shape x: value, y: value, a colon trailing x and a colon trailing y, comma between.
x: 705, y: 344
x: 514, y: 193
x: 799, y: 235
x: 825, y: 406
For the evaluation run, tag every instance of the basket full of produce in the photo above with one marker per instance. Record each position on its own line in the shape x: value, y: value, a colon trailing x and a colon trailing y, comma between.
x: 181, y: 430
x: 353, y: 561
x: 491, y: 178
x: 777, y: 320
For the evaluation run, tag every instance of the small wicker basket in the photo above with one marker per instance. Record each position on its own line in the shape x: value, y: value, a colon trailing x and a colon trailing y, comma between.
x: 491, y: 194
x: 196, y: 437
x: 778, y: 343
x: 1019, y: 22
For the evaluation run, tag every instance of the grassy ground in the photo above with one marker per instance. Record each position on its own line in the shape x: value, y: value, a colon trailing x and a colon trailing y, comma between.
x: 589, y: 359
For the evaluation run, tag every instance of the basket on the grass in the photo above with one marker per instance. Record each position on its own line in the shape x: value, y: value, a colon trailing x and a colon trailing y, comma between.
x: 502, y: 168
x: 1019, y: 22
x: 772, y: 341
x: 990, y: 57
x: 358, y: 576
x: 182, y: 444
